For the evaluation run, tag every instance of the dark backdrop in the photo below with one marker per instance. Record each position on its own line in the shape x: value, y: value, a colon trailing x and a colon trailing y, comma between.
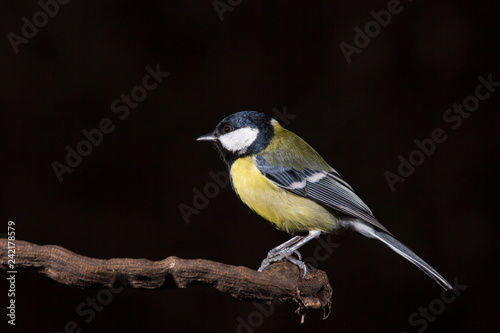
x: 123, y: 199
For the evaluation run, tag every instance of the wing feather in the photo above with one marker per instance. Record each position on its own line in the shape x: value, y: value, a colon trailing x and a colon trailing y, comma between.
x: 324, y: 187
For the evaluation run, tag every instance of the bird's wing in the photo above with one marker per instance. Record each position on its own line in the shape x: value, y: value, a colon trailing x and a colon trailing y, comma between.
x: 324, y: 187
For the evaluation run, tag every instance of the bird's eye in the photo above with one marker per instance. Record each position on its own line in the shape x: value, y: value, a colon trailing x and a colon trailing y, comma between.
x: 226, y: 129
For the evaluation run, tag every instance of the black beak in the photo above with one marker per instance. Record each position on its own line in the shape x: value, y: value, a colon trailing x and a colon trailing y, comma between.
x: 207, y: 137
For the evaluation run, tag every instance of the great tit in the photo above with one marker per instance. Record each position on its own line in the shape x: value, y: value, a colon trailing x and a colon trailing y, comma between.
x: 284, y: 180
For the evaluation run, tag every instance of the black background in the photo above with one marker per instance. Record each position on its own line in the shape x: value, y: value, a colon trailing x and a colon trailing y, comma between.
x: 122, y: 201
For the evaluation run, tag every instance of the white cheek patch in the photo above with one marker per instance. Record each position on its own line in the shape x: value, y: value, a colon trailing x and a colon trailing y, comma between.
x: 239, y: 140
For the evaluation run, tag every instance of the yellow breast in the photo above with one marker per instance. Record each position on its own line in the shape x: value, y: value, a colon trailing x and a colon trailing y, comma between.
x: 288, y: 211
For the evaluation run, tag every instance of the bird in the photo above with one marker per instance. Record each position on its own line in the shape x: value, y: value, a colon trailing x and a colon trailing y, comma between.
x: 285, y: 181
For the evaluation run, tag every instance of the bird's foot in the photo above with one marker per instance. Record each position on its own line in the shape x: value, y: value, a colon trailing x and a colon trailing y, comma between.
x: 279, y: 254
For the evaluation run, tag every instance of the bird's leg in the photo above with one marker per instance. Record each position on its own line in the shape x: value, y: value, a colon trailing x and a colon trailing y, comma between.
x: 286, y: 244
x: 285, y: 250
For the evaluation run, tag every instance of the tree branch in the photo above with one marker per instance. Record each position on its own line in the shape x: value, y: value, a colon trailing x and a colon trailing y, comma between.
x: 280, y: 281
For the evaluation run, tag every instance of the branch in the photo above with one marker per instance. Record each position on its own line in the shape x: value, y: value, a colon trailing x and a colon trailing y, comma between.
x: 280, y: 281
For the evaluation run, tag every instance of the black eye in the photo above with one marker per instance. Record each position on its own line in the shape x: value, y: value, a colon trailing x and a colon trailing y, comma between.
x: 226, y: 129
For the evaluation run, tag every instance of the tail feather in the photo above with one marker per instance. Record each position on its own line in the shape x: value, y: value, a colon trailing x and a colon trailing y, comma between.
x: 402, y: 250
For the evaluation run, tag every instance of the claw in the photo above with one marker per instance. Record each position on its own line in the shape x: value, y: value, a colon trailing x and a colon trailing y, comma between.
x: 263, y: 265
x: 300, y: 264
x: 298, y: 254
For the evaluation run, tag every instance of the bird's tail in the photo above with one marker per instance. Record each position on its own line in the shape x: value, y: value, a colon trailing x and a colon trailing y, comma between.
x: 401, y: 249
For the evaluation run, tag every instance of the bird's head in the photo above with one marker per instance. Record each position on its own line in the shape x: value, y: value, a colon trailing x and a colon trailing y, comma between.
x: 241, y: 134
